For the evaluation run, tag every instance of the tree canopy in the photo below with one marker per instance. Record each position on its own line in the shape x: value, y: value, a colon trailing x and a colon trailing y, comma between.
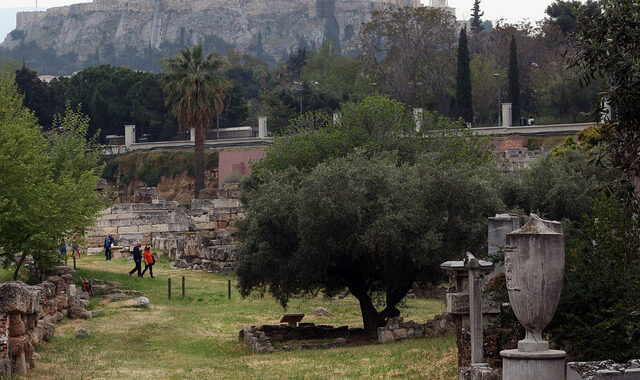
x: 367, y: 204
x: 195, y: 90
x: 47, y: 186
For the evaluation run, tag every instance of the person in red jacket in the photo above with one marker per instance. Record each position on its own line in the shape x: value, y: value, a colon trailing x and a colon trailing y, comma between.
x: 149, y: 260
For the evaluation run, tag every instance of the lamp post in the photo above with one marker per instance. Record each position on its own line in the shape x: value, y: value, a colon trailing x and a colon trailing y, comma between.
x: 496, y: 75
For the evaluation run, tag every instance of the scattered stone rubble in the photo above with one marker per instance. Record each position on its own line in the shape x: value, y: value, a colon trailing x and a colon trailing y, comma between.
x: 397, y: 329
x: 28, y: 315
x: 260, y: 338
x: 606, y: 369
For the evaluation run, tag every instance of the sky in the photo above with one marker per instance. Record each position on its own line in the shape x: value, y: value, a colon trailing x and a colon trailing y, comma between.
x: 511, y: 10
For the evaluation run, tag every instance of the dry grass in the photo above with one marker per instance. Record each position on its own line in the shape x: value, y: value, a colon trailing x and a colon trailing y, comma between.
x: 197, y: 337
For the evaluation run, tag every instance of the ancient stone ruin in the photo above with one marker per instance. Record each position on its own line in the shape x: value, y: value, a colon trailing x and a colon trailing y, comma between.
x: 397, y: 329
x: 28, y: 315
x: 198, y: 235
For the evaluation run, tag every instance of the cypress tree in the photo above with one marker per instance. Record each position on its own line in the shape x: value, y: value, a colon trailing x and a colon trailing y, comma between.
x: 514, y: 80
x: 476, y: 21
x: 464, y: 100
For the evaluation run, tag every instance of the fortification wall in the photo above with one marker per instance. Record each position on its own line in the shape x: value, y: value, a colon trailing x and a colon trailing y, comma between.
x: 24, y: 18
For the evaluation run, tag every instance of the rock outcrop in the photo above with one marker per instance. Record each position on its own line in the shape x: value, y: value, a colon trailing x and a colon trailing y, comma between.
x: 266, y: 28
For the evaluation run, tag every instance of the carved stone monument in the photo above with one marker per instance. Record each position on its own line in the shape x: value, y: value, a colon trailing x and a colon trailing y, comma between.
x: 534, y: 262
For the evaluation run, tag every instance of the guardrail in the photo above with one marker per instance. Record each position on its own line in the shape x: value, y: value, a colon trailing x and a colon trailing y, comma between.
x: 557, y: 129
x: 187, y: 144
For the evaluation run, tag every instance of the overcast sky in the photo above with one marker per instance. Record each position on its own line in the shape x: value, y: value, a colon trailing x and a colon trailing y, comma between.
x: 511, y: 10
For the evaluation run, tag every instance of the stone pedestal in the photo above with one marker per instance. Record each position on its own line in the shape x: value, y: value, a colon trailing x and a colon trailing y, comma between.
x: 262, y: 127
x: 538, y: 365
x: 506, y: 115
x: 129, y: 135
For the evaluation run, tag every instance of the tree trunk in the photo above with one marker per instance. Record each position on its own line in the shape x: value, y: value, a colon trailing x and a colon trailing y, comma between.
x: 370, y: 316
x: 18, y: 265
x: 198, y: 160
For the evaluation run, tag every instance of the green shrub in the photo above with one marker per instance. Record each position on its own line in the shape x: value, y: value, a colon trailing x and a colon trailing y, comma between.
x: 111, y: 169
x: 597, y: 317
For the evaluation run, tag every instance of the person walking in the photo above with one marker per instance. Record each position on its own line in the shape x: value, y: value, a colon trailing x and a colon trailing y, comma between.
x: 149, y: 260
x: 108, y: 242
x: 137, y: 258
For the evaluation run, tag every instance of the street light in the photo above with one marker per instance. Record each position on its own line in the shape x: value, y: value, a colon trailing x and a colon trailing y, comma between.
x: 496, y: 75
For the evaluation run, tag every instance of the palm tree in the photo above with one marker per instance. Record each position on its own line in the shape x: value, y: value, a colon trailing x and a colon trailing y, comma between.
x: 195, y: 89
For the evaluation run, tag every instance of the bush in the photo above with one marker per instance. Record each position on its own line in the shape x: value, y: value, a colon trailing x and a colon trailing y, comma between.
x: 597, y: 317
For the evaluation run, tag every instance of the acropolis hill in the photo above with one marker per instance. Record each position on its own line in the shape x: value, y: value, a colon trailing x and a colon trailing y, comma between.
x: 272, y: 28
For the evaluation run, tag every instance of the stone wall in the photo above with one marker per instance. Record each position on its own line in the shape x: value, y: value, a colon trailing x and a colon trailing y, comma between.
x: 28, y: 315
x: 197, y: 236
x: 397, y: 329
x: 514, y: 159
x: 601, y: 370
x: 261, y: 339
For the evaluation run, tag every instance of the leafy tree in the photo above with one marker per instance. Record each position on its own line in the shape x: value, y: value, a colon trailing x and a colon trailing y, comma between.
x: 607, y: 49
x: 464, y: 99
x: 477, y: 26
x: 560, y: 97
x: 334, y: 73
x: 564, y: 187
x: 597, y: 315
x: 114, y: 96
x: 514, y: 80
x: 295, y: 63
x: 37, y: 95
x: 563, y: 13
x: 486, y: 88
x: 409, y: 54
x: 47, y: 187
x: 195, y: 90
x: 368, y: 204
x: 361, y: 223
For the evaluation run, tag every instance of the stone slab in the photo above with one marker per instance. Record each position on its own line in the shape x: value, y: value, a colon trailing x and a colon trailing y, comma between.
x: 128, y: 230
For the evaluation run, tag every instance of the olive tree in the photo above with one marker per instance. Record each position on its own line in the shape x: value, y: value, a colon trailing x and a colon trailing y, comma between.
x: 364, y: 205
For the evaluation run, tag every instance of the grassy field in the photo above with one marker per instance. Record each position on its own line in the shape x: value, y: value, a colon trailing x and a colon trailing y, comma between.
x: 197, y: 337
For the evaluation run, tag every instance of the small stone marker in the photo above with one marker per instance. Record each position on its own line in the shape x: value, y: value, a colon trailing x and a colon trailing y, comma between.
x: 292, y: 319
x: 81, y: 333
x: 322, y: 312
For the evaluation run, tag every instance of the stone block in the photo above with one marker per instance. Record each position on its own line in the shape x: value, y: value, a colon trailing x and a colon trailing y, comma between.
x: 632, y: 374
x: 608, y: 374
x: 127, y: 230
x: 207, y: 226
x: 17, y: 297
x: 384, y: 336
x: 400, y: 334
x: 160, y: 228
x: 17, y: 327
x: 100, y: 231
x: 177, y: 227
x: 458, y: 303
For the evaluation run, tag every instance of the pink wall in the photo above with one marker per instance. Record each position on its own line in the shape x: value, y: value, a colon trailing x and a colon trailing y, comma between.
x: 502, y: 144
x: 236, y: 161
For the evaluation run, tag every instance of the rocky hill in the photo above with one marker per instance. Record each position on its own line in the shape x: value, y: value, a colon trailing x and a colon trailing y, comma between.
x: 270, y: 29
